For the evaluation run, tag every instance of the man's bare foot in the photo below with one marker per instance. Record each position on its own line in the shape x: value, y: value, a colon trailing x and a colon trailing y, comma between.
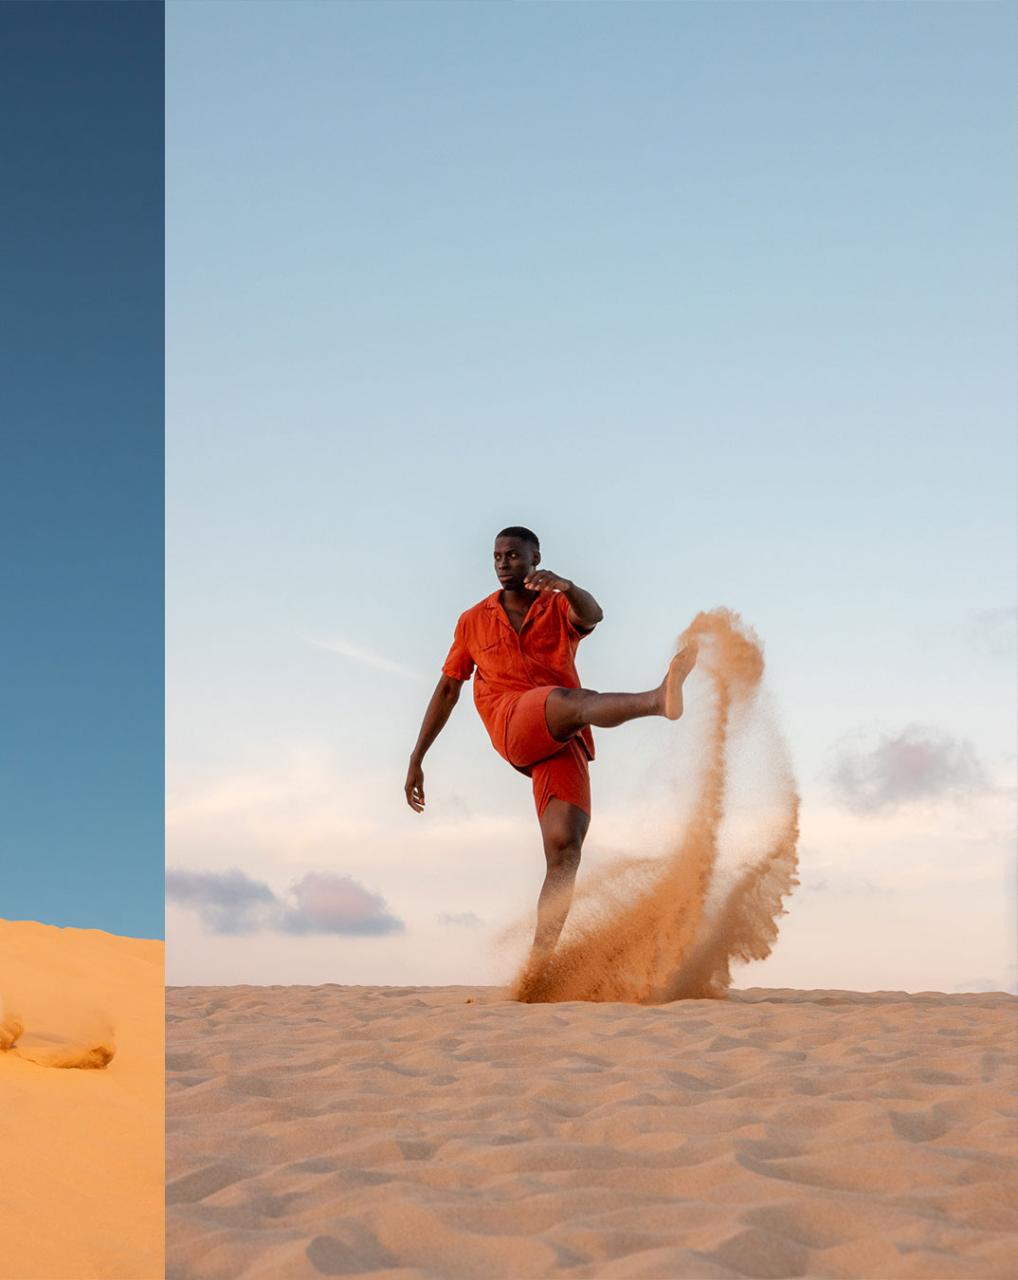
x: 671, y: 686
x: 529, y: 979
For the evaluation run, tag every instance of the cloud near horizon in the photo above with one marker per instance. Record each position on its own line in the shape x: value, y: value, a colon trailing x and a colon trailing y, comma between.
x: 231, y: 902
x: 978, y: 985
x: 459, y: 919
x: 919, y: 763
x: 995, y: 632
x: 367, y: 657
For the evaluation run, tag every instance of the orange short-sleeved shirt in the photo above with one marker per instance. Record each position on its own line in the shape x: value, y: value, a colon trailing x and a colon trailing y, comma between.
x: 507, y: 664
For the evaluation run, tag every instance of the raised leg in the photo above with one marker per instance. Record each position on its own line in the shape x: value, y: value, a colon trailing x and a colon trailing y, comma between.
x: 568, y: 710
x: 563, y: 827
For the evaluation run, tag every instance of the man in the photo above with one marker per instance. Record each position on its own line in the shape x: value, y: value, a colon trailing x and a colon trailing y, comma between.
x: 522, y: 641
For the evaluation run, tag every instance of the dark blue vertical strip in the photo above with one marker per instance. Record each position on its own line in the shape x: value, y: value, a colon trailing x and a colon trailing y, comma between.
x: 81, y: 464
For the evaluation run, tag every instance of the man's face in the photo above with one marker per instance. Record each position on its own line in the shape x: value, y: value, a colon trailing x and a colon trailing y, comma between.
x: 514, y: 559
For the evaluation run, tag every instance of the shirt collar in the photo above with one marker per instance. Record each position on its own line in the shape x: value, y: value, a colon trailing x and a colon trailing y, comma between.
x: 493, y: 601
x: 495, y: 605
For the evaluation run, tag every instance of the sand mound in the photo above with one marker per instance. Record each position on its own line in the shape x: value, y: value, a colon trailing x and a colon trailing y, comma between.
x: 651, y: 930
x: 76, y: 1039
x: 58, y: 1051
x: 82, y: 1191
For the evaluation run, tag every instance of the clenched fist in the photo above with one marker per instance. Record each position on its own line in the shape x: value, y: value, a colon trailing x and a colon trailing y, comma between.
x: 545, y: 580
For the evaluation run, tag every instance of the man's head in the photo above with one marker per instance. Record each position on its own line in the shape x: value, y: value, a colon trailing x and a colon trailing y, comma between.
x: 517, y: 554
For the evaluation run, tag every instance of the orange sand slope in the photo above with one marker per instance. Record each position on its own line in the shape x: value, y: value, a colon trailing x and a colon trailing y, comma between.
x: 446, y: 1132
x: 81, y: 1184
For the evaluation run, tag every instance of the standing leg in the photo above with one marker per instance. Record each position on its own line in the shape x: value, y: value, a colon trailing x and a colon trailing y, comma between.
x: 568, y: 710
x: 563, y: 827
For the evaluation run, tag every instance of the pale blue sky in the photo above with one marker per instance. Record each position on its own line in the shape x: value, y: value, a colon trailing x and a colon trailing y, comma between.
x: 718, y: 298
x: 81, y: 466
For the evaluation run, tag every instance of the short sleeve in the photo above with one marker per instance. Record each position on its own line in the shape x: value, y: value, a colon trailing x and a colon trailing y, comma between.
x: 563, y: 604
x: 459, y: 665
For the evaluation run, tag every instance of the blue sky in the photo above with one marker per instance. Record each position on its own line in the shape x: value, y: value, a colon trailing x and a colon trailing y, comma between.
x: 81, y: 468
x: 719, y: 299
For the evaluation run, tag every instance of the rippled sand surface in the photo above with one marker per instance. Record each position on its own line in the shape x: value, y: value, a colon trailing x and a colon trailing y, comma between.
x: 451, y: 1132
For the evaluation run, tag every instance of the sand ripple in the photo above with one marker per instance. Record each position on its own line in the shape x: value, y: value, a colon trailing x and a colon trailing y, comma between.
x: 408, y: 1134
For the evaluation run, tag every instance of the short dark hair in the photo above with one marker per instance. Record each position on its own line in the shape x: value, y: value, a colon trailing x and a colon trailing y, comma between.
x: 518, y: 531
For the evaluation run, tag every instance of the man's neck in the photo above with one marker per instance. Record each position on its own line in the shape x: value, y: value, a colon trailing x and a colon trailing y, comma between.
x: 519, y: 601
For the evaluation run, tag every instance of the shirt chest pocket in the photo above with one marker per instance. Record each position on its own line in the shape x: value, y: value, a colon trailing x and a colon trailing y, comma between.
x: 545, y: 643
x: 494, y: 654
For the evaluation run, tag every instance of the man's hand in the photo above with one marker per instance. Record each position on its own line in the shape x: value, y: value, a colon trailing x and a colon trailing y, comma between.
x: 415, y: 787
x: 584, y: 611
x: 545, y: 580
x: 447, y: 691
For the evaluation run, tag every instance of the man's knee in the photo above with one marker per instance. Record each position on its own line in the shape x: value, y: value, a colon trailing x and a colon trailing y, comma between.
x: 562, y: 843
x: 566, y: 711
x: 562, y: 852
x: 563, y: 827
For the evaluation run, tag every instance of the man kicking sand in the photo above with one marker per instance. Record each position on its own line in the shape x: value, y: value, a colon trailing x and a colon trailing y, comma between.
x: 522, y: 641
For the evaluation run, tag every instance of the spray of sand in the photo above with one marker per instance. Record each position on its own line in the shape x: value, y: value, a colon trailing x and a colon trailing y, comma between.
x: 10, y: 1028
x: 89, y: 1046
x: 650, y: 930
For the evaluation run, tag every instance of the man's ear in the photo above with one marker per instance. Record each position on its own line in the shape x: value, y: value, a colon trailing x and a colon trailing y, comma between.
x: 537, y: 558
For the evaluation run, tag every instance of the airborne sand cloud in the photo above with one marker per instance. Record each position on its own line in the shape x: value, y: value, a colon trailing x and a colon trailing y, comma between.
x: 652, y: 930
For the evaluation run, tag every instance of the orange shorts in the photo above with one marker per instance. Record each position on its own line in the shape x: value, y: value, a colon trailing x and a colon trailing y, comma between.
x: 555, y: 768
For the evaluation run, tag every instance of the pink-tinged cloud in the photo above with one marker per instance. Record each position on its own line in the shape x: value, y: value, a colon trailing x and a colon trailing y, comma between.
x: 326, y: 903
x: 916, y: 764
x: 231, y: 902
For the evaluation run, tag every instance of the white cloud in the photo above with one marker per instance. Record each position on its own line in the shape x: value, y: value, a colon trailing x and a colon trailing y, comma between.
x: 995, y: 632
x: 367, y: 657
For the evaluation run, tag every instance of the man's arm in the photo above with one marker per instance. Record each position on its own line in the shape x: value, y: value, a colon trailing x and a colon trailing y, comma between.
x: 445, y: 697
x: 584, y: 611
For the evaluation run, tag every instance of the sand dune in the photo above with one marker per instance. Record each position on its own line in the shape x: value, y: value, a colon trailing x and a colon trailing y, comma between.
x: 422, y: 1133
x: 81, y: 1104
